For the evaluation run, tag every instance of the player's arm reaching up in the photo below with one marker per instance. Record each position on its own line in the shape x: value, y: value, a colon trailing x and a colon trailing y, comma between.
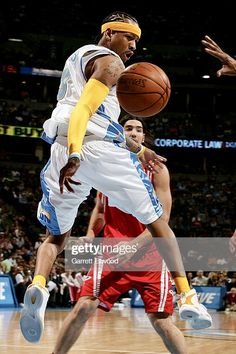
x: 228, y: 63
x: 161, y: 183
x: 97, y: 220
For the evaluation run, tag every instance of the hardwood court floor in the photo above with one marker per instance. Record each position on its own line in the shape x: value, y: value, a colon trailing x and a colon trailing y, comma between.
x: 126, y: 331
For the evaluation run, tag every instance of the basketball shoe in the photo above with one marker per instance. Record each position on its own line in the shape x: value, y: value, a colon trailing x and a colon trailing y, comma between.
x: 203, y: 321
x: 191, y: 310
x: 32, y: 314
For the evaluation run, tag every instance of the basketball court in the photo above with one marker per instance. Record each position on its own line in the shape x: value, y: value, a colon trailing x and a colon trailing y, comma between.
x: 125, y: 331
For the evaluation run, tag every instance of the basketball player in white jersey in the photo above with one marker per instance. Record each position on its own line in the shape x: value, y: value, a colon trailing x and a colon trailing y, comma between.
x: 89, y: 149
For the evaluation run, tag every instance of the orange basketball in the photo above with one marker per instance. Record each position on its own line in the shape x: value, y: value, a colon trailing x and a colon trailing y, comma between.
x: 143, y: 89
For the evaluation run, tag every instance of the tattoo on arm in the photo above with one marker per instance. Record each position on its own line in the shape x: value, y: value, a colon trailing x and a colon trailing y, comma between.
x: 114, y: 69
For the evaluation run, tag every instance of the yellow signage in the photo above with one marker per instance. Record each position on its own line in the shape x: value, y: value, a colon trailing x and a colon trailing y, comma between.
x: 23, y: 132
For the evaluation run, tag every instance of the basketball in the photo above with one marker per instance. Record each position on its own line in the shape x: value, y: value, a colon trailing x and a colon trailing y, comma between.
x: 143, y: 89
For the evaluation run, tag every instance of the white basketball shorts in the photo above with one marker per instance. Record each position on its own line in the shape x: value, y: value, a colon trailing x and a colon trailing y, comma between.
x: 106, y: 167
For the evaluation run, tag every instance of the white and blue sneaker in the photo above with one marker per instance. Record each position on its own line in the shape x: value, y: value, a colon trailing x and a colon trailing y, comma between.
x: 32, y: 314
x: 203, y: 321
x: 191, y: 310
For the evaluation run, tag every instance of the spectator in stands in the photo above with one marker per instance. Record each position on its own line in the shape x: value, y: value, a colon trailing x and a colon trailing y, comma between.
x: 200, y: 279
x: 5, y: 264
x: 212, y: 279
x: 231, y: 300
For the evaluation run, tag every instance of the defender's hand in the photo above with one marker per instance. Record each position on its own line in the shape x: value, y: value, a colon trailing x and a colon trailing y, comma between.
x: 150, y: 159
x: 67, y: 172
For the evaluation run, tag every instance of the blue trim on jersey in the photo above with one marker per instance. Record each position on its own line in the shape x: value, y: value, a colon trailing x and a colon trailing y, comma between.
x: 101, y: 111
x: 147, y: 183
x: 47, y: 138
x: 115, y: 131
x: 46, y: 211
x: 113, y: 134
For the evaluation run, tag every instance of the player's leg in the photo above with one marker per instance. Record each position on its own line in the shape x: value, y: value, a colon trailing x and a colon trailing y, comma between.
x: 189, y: 306
x: 170, y: 334
x: 36, y: 295
x: 111, y: 287
x: 155, y: 289
x: 51, y: 214
x: 74, y: 324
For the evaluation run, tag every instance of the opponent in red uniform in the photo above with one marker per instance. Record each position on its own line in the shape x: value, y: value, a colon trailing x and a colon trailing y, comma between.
x: 154, y: 287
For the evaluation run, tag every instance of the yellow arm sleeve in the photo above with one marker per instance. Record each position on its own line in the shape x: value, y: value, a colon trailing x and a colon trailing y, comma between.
x: 93, y: 95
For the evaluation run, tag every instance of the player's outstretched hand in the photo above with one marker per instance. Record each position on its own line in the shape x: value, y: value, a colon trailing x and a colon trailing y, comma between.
x: 153, y: 161
x: 67, y: 172
x: 229, y: 63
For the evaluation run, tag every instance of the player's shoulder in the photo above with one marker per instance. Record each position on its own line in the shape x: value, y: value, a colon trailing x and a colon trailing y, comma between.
x: 97, y: 50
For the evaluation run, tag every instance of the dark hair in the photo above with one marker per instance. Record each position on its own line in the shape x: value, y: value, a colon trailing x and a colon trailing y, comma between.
x: 126, y: 117
x: 148, y: 136
x: 119, y: 16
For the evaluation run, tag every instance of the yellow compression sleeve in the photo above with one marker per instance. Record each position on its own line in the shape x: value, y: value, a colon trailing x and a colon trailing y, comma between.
x: 93, y: 95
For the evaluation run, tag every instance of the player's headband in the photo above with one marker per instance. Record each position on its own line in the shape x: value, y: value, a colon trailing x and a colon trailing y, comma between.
x: 122, y: 26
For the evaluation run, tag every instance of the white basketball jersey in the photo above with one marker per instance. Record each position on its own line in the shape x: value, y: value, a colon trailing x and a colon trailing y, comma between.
x: 104, y: 122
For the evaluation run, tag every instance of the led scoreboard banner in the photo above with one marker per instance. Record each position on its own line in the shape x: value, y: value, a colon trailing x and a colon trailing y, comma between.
x: 195, y: 143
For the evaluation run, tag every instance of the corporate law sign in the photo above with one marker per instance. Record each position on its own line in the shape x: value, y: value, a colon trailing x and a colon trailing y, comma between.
x: 36, y: 132
x: 194, y: 143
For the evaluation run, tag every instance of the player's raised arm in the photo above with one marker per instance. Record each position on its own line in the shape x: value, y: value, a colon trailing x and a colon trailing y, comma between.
x: 97, y: 220
x: 228, y: 63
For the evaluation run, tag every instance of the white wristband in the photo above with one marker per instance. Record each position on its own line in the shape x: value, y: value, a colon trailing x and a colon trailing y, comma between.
x: 75, y: 154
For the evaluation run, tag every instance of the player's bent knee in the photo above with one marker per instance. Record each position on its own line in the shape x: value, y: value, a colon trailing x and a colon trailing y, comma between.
x: 85, y: 308
x: 160, y: 321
